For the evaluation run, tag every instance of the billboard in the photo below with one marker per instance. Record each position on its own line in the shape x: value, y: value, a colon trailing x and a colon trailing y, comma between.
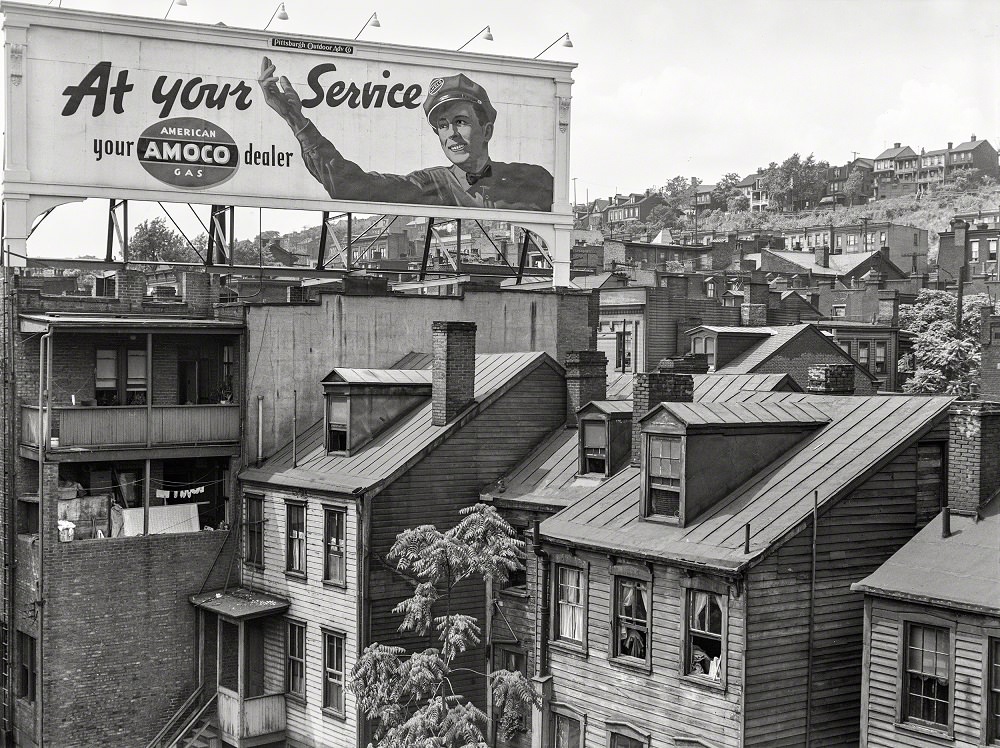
x: 113, y: 106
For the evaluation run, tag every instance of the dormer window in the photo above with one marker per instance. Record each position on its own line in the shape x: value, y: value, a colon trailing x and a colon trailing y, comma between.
x: 705, y: 344
x: 594, y: 436
x: 665, y: 471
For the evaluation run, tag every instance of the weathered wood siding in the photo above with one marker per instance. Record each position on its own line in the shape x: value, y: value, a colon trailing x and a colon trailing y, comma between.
x: 884, y: 677
x: 662, y: 702
x: 320, y: 606
x: 855, y: 537
x: 439, y: 486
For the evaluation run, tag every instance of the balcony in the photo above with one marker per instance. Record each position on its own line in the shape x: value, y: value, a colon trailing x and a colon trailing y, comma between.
x: 131, y: 427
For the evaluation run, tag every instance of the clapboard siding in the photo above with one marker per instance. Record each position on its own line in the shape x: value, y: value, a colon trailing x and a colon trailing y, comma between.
x: 319, y: 605
x: 884, y: 677
x: 447, y: 480
x: 661, y: 702
x: 855, y: 536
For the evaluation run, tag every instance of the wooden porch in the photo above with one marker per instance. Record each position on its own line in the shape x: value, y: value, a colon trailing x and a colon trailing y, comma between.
x: 115, y: 427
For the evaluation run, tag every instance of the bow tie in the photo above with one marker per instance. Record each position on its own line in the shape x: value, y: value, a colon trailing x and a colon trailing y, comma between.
x: 473, y: 178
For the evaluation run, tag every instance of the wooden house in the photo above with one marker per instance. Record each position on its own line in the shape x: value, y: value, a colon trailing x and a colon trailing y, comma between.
x: 395, y: 449
x: 932, y: 611
x: 700, y: 596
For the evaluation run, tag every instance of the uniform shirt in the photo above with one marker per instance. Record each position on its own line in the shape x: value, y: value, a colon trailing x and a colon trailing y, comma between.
x: 507, y: 186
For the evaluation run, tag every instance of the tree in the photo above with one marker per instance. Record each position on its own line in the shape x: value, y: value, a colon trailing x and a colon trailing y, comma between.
x: 796, y: 181
x: 854, y: 187
x: 152, y: 241
x: 727, y: 193
x: 946, y: 362
x: 410, y: 697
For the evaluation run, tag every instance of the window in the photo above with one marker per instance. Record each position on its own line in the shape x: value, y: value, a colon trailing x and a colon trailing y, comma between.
x: 570, y: 604
x: 135, y: 377
x: 337, y: 411
x: 710, y: 289
x: 710, y: 353
x: 880, y: 354
x: 881, y: 239
x: 295, y: 667
x: 567, y: 731
x: 665, y: 475
x: 621, y: 735
x: 992, y: 248
x: 27, y: 672
x: 255, y: 529
x: 927, y: 675
x: 705, y: 634
x: 993, y: 691
x: 334, y: 541
x: 623, y: 350
x: 839, y: 310
x: 594, y: 437
x: 107, y: 376
x: 864, y: 349
x: 333, y: 672
x: 631, y: 618
x: 514, y: 660
x: 295, y: 538
x: 845, y: 346
x: 974, y: 250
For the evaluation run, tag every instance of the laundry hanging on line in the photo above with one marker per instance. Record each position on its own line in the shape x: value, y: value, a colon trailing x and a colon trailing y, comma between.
x: 183, y: 493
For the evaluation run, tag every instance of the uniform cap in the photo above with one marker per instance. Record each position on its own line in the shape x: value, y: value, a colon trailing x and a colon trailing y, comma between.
x: 457, y: 88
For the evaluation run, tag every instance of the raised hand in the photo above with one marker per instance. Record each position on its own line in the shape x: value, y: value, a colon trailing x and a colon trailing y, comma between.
x: 280, y: 96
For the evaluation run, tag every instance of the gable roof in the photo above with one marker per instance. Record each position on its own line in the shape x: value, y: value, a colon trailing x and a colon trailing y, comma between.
x: 378, y: 376
x: 757, y: 355
x: 393, y: 451
x: 748, y: 180
x: 842, y: 264
x: 864, y: 434
x: 894, y: 152
x: 959, y: 571
x: 969, y: 145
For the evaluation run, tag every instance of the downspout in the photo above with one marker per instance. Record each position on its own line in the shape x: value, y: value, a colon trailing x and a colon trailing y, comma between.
x: 260, y: 429
x: 812, y: 620
x: 44, y: 365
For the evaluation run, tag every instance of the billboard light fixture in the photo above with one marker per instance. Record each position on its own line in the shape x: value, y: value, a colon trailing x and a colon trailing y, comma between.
x: 181, y: 3
x: 372, y: 21
x: 280, y: 13
x: 566, y: 42
x: 484, y: 32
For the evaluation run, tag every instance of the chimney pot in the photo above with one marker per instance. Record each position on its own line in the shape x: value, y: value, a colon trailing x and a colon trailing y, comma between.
x: 454, y: 369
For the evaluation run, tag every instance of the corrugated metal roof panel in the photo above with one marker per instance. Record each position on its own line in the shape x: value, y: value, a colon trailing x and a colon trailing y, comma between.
x: 379, y: 376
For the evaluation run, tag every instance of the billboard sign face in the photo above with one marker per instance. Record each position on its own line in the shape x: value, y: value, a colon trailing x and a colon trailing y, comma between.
x: 158, y: 110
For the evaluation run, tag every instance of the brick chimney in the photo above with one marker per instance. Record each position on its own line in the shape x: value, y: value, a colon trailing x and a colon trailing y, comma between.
x: 131, y: 287
x: 454, y: 374
x: 753, y: 312
x: 586, y: 381
x: 652, y: 388
x: 822, y: 255
x: 973, y: 454
x: 690, y: 363
x: 888, y: 307
x: 831, y: 379
x: 950, y: 144
x: 896, y: 145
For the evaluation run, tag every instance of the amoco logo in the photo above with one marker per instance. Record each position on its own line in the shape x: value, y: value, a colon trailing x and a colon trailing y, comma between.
x: 188, y: 152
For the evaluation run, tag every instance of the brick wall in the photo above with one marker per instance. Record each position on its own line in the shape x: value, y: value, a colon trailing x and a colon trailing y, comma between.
x: 753, y: 315
x: 577, y: 322
x: 973, y: 454
x: 806, y: 350
x: 120, y: 639
x: 831, y: 379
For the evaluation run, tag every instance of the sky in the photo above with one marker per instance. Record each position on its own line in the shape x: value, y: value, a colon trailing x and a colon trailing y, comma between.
x: 668, y: 87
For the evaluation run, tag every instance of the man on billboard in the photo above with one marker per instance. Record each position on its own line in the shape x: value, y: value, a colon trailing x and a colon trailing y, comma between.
x: 460, y: 113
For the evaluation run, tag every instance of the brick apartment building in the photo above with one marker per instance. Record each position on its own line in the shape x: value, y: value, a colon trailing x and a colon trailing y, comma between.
x: 631, y: 208
x: 907, y: 245
x: 970, y: 249
x: 836, y: 187
x: 123, y: 432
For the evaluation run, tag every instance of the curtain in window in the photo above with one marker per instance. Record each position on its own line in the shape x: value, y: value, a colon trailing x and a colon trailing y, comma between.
x: 570, y: 604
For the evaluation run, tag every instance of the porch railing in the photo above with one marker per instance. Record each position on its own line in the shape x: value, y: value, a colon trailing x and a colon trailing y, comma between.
x: 252, y: 716
x: 134, y: 426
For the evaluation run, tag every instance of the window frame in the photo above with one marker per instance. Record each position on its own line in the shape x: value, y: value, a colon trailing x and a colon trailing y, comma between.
x: 560, y: 560
x: 991, y: 662
x: 298, y: 573
x: 880, y: 367
x: 327, y: 408
x: 333, y: 711
x: 619, y: 572
x: 902, y: 722
x: 866, y: 346
x: 27, y: 672
x: 518, y: 651
x: 720, y: 588
x: 558, y: 709
x: 647, y: 476
x: 289, y: 693
x: 330, y: 510
x: 584, y: 456
x: 254, y: 535
x: 626, y: 730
